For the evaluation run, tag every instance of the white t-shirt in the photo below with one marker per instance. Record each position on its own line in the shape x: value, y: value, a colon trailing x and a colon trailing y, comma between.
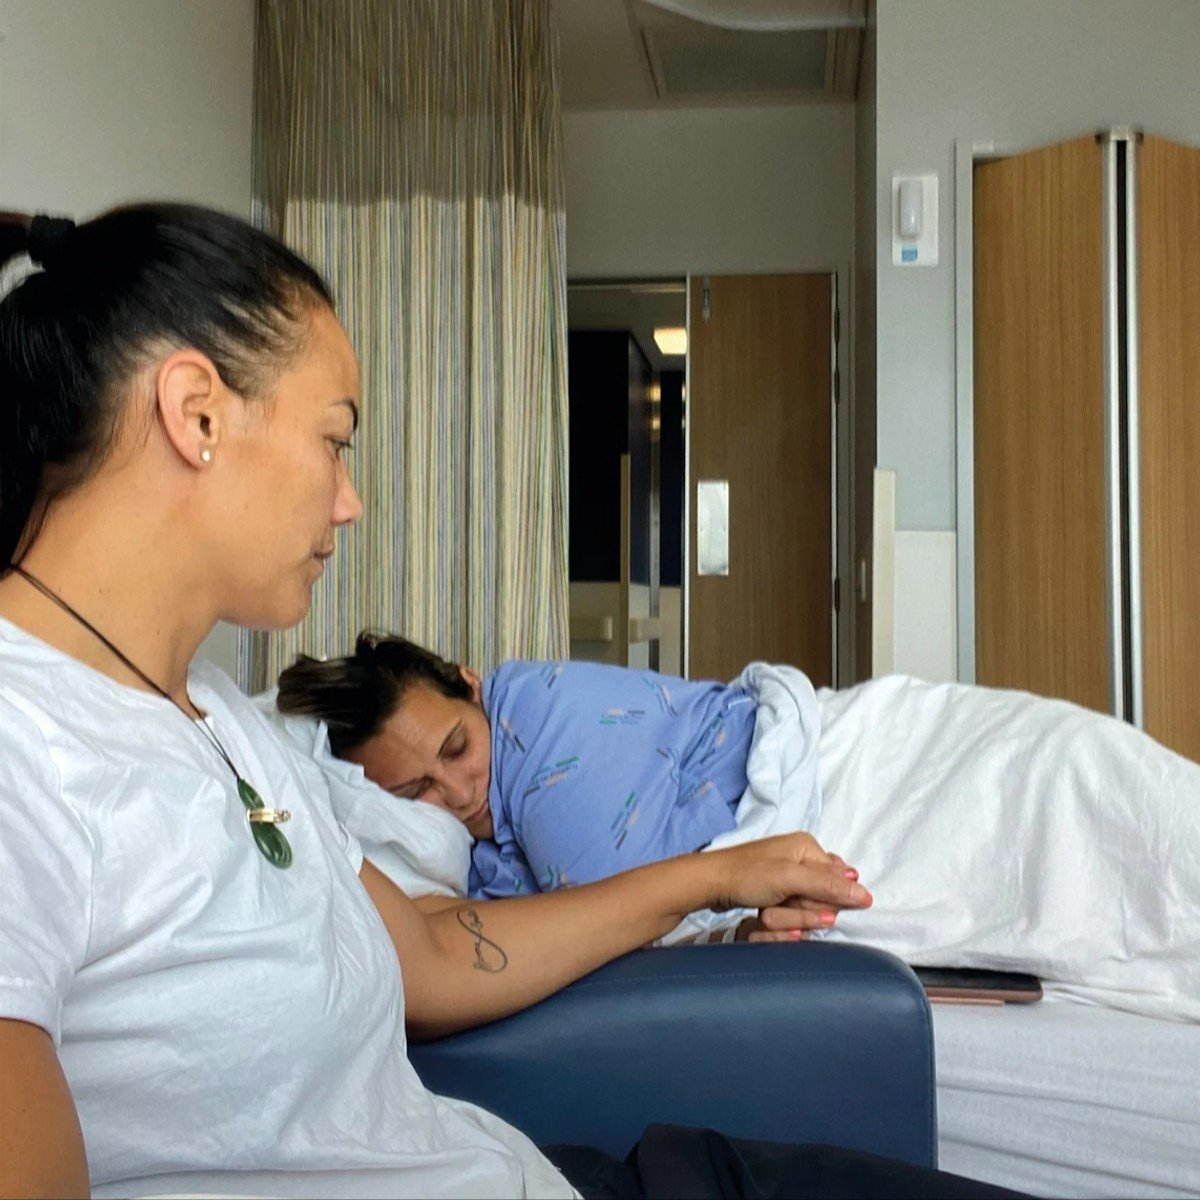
x: 225, y: 1026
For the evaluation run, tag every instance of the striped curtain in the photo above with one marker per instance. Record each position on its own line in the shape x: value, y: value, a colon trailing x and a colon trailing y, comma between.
x: 410, y: 149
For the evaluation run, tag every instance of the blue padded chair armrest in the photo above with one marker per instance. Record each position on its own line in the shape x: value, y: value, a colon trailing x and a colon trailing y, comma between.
x: 811, y: 1042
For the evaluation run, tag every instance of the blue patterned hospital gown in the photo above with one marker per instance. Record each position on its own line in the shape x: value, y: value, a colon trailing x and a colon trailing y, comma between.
x: 597, y: 769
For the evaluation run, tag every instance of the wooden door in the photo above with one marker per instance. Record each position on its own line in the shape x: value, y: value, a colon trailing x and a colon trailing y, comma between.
x: 759, y: 412
x: 1169, y: 433
x: 1040, y: 569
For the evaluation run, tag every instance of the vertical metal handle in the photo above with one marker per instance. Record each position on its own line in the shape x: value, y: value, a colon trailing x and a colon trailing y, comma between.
x: 712, y: 527
x: 1123, y: 520
x: 1133, y: 494
x: 1113, y: 531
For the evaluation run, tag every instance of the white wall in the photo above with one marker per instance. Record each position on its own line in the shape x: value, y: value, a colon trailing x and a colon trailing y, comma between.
x: 104, y: 103
x: 747, y: 189
x: 1017, y: 73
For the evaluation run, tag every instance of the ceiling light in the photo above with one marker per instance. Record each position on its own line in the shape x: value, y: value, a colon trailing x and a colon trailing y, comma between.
x: 671, y: 339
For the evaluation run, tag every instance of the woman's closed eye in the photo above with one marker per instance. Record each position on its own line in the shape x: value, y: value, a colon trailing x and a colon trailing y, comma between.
x: 411, y: 791
x: 341, y: 446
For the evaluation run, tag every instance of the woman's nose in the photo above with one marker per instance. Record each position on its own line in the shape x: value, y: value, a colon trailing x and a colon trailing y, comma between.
x: 457, y: 793
x: 348, y: 508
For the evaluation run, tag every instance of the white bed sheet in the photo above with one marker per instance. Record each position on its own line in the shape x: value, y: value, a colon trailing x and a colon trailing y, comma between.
x: 1061, y: 1098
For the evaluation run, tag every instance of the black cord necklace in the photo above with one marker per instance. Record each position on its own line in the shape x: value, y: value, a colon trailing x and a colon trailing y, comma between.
x: 264, y: 821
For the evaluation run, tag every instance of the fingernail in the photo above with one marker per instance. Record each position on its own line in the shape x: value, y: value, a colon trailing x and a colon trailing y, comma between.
x: 797, y: 934
x: 850, y: 873
x: 828, y: 918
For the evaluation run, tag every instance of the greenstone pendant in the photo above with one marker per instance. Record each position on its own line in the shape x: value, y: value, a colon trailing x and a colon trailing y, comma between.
x: 268, y: 838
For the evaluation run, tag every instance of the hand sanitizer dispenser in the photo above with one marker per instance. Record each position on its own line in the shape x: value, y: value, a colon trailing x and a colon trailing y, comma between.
x: 914, y: 220
x: 910, y: 207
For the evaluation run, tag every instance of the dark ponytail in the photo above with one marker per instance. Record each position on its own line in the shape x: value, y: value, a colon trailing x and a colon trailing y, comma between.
x: 111, y: 291
x: 355, y: 695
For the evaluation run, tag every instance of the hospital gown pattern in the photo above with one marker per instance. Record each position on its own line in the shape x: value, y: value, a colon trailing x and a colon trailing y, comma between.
x: 597, y: 769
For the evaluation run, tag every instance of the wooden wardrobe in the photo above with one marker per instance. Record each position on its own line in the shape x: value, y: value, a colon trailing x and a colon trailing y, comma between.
x: 1086, y: 348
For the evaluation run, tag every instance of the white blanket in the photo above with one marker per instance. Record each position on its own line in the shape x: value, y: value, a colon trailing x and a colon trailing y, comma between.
x: 998, y: 829
x: 783, y: 792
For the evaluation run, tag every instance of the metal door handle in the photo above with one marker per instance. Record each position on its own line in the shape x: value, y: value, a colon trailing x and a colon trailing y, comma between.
x: 712, y: 527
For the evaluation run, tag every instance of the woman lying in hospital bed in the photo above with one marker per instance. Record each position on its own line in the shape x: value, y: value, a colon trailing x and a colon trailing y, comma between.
x: 997, y: 829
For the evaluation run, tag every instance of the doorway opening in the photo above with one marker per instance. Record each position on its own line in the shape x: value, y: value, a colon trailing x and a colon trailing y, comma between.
x: 627, y: 371
x: 704, y: 453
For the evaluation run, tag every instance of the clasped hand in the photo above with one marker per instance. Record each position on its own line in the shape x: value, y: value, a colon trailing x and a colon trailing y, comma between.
x: 796, y: 885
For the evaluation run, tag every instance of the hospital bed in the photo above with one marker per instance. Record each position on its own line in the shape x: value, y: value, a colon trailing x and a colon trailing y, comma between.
x: 1067, y: 1099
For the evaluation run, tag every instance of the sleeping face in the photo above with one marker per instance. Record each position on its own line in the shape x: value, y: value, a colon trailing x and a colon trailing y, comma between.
x: 436, y: 749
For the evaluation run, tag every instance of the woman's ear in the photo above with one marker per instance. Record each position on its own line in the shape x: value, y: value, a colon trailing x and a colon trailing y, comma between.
x: 474, y: 682
x: 190, y: 400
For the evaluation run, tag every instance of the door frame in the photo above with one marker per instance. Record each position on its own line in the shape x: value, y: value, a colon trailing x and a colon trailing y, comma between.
x: 667, y: 283
x: 841, y: 432
x: 966, y: 155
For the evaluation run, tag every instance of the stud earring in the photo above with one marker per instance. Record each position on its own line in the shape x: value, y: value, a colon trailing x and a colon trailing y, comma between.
x: 206, y: 455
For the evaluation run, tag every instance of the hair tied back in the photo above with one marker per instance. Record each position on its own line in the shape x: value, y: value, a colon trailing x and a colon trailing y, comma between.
x: 46, y: 238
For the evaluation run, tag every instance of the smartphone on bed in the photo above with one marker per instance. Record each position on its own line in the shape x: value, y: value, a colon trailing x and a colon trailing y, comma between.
x: 968, y: 985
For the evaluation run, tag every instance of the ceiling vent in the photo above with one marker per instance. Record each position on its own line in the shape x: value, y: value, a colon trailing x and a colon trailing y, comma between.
x: 691, y: 60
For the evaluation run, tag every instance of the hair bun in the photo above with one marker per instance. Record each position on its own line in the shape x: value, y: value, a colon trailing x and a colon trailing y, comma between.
x: 46, y: 237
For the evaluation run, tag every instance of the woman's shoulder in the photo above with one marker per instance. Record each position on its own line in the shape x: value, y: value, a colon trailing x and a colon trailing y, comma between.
x: 24, y: 751
x: 32, y: 700
x: 41, y: 822
x: 29, y: 671
x: 549, y: 696
x: 549, y: 674
x: 515, y: 676
x: 218, y: 682
x: 70, y: 702
x: 257, y: 716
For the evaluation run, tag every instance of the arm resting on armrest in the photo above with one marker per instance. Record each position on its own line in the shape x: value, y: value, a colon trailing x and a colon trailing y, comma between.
x: 814, y: 1042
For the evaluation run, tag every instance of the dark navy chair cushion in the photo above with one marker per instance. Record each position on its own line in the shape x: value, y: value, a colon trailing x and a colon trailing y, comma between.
x: 809, y: 1042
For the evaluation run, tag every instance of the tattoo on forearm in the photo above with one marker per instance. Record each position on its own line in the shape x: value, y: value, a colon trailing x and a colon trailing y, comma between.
x: 488, y: 956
